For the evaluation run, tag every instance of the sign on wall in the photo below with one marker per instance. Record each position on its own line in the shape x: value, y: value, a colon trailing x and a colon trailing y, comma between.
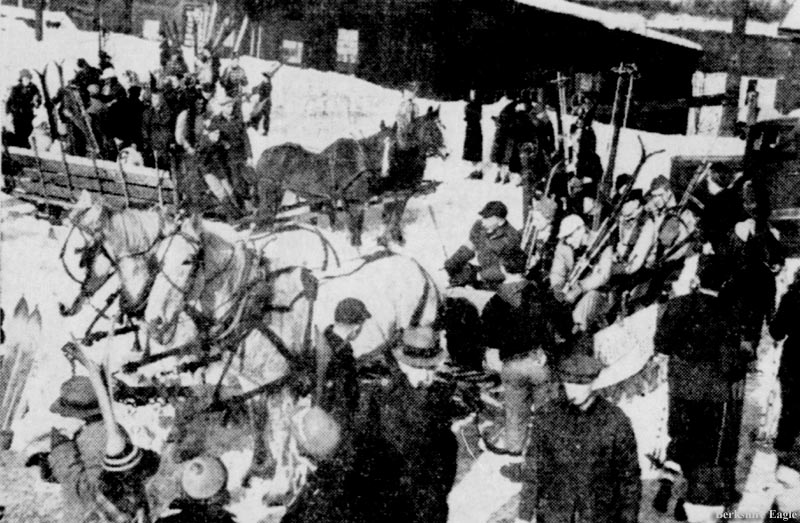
x: 292, y: 52
x: 347, y: 46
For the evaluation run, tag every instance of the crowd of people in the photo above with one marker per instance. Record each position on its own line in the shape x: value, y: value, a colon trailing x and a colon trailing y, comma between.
x: 187, y: 122
x: 546, y: 307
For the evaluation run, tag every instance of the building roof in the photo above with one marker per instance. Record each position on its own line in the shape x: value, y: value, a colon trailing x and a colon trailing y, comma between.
x: 791, y: 24
x: 629, y: 22
x: 687, y: 22
x: 51, y: 18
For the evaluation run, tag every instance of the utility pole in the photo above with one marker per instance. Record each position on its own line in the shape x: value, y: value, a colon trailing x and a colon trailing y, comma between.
x: 730, y: 110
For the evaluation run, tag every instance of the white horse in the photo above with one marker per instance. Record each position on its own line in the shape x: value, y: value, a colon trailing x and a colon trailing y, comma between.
x: 212, y: 275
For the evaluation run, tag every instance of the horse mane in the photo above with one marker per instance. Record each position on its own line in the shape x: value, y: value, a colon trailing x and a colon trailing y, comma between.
x: 132, y: 230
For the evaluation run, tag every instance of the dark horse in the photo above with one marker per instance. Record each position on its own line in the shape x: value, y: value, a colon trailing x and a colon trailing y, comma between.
x: 350, y: 172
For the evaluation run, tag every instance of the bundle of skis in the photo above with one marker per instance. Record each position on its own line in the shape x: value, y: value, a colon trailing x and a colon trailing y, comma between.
x: 17, y: 357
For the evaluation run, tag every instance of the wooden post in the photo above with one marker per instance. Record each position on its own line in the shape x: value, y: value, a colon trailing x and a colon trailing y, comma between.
x: 124, y: 183
x: 66, y: 169
x: 40, y: 7
x: 730, y: 110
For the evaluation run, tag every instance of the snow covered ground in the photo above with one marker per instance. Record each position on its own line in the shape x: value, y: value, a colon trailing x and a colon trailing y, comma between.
x: 310, y: 108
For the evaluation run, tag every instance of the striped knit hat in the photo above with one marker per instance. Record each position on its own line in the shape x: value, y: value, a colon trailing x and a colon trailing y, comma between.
x: 125, y: 461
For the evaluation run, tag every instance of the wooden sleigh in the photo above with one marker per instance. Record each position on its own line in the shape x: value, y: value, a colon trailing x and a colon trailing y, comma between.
x: 55, y: 181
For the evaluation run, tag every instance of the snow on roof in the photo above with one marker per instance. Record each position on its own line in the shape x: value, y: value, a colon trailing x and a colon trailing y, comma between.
x: 668, y: 21
x: 629, y: 22
x: 792, y: 21
x: 51, y: 18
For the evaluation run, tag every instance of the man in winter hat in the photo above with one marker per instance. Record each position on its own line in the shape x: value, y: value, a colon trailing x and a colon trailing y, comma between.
x: 581, y: 462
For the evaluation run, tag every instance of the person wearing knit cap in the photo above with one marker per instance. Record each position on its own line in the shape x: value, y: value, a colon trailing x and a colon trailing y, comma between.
x: 581, y: 462
x: 587, y: 298
x: 204, y: 490
x: 23, y: 100
x: 118, y: 494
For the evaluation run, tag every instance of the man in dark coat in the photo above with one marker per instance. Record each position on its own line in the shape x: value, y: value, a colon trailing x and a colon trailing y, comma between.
x: 723, y: 209
x: 581, y: 465
x: 157, y: 131
x: 134, y: 110
x: 707, y: 368
x: 234, y: 78
x: 115, y: 100
x: 522, y: 324
x: 404, y: 422
x: 536, y: 146
x: 85, y: 76
x: 21, y: 103
x: 188, y: 134
x: 785, y: 324
x: 233, y: 136
x: 337, y: 391
x: 263, y: 108
x: 490, y: 238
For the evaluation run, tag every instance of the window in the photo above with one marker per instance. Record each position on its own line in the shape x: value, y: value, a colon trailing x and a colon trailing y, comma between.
x: 292, y: 52
x: 347, y: 46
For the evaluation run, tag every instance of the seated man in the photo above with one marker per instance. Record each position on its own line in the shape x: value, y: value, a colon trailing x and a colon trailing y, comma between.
x: 489, y: 239
x: 583, y: 292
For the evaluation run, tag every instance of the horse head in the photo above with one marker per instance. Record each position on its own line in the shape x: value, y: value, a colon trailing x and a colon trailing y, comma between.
x: 83, y: 244
x: 179, y: 258
x: 126, y: 239
x: 429, y: 136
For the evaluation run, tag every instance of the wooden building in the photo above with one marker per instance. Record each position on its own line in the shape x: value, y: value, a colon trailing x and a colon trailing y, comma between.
x: 452, y: 46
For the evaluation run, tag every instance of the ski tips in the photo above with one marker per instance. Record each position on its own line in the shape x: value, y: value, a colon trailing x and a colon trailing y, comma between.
x: 21, y: 310
x: 36, y: 318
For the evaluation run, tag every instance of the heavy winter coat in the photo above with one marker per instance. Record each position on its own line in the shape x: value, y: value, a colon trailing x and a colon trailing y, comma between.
x: 233, y: 136
x: 473, y: 137
x: 523, y: 316
x: 785, y: 324
x: 77, y: 466
x: 22, y: 101
x: 490, y: 248
x: 700, y: 334
x: 581, y: 466
x: 338, y: 394
x: 411, y: 451
x: 503, y: 144
x: 157, y: 131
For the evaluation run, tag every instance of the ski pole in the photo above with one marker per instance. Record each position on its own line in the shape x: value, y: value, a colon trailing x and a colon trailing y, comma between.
x: 438, y: 233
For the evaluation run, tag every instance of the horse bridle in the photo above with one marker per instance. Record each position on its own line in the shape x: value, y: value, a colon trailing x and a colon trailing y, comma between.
x: 95, y: 244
